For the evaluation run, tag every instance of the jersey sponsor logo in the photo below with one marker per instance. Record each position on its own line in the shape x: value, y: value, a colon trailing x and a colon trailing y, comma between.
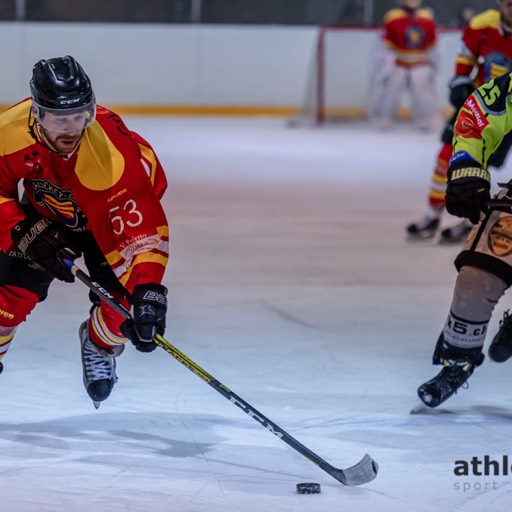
x: 465, y: 126
x: 59, y: 202
x: 139, y: 245
x: 477, y: 112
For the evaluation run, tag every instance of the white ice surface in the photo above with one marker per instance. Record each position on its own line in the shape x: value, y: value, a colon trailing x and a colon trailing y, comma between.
x: 292, y: 283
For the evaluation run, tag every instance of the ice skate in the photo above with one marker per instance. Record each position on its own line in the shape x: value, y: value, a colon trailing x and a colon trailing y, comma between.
x: 1, y: 367
x: 500, y: 348
x: 456, y: 234
x: 99, y: 367
x: 424, y: 229
x: 452, y: 377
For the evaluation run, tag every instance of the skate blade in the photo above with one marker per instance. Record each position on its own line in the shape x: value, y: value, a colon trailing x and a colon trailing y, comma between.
x: 96, y: 404
x: 419, y: 407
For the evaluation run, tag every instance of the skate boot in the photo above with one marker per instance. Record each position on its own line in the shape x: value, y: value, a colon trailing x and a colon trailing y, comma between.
x: 457, y: 233
x: 424, y: 229
x: 453, y: 376
x: 500, y: 348
x: 1, y: 367
x: 99, y: 367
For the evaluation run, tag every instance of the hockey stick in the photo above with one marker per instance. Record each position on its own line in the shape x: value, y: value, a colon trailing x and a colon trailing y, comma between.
x: 364, y: 471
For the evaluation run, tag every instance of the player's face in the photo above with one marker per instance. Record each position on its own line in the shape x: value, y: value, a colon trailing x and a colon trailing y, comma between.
x: 505, y: 8
x: 63, y: 142
x: 63, y: 128
x: 412, y: 4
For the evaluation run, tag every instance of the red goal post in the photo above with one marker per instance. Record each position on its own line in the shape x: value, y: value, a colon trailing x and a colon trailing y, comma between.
x: 341, y: 74
x: 338, y: 84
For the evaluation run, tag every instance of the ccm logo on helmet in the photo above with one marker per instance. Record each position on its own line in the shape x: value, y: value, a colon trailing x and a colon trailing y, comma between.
x: 69, y: 102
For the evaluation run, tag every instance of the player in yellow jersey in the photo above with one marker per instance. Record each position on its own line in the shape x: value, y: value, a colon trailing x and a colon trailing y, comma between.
x: 486, y: 53
x: 485, y: 262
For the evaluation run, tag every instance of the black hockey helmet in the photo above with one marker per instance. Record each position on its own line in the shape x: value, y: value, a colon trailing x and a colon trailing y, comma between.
x: 60, y: 86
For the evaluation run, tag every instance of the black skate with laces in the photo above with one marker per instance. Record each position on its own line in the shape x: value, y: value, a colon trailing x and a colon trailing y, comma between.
x: 447, y: 382
x: 99, y: 367
x: 500, y: 348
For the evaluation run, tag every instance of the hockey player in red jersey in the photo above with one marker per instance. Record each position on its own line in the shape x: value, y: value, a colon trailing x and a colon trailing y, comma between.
x: 486, y: 53
x: 93, y: 188
x: 406, y: 57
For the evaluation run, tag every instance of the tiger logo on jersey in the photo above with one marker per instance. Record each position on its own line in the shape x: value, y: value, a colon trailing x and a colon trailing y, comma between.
x: 59, y: 202
x: 415, y: 37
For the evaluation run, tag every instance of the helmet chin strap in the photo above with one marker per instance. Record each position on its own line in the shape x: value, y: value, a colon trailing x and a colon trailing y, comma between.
x: 32, y: 123
x: 41, y: 133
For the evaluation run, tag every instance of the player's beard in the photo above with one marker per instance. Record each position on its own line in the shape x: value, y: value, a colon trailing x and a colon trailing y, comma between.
x: 62, y: 143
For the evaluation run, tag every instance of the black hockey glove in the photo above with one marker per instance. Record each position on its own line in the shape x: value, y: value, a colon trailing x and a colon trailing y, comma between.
x: 467, y: 191
x: 149, y: 306
x: 461, y: 88
x: 45, y: 243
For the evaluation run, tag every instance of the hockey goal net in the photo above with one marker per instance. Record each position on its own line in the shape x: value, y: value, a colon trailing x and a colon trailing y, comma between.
x: 338, y: 85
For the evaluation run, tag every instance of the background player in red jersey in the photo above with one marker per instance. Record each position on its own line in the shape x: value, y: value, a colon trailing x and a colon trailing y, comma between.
x: 93, y: 188
x: 486, y: 53
x: 406, y: 57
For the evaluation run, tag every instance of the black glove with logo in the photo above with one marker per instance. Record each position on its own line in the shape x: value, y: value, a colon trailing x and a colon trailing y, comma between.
x: 467, y: 191
x: 149, y: 306
x: 45, y: 243
x: 461, y: 88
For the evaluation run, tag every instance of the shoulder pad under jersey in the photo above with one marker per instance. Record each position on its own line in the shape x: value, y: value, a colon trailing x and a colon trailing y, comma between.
x: 486, y: 19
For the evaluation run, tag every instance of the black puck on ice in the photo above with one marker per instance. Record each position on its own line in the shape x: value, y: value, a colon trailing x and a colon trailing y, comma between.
x: 308, y: 488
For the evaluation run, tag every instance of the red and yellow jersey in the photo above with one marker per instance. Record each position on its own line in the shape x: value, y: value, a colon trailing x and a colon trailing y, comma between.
x: 410, y: 35
x: 485, y: 49
x: 111, y: 185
